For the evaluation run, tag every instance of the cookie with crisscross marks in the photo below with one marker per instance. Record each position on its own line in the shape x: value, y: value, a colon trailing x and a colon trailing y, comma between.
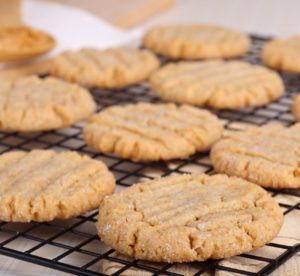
x: 267, y: 155
x: 218, y: 84
x: 111, y: 68
x: 189, y: 218
x: 282, y: 54
x: 21, y: 42
x: 35, y: 104
x: 152, y: 132
x: 196, y: 41
x: 42, y: 185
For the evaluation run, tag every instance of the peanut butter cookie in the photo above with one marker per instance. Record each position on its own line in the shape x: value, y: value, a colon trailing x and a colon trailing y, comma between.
x: 152, y: 132
x: 189, y: 218
x: 35, y: 104
x: 267, y: 155
x: 196, y: 41
x: 283, y: 54
x: 43, y: 185
x: 111, y: 68
x: 218, y: 84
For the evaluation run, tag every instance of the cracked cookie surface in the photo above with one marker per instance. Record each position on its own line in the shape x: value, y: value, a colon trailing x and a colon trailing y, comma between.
x: 34, y: 104
x: 196, y: 41
x: 282, y: 54
x: 42, y: 185
x: 267, y: 155
x: 21, y: 42
x: 152, y: 132
x: 218, y: 84
x: 111, y: 68
x: 189, y: 218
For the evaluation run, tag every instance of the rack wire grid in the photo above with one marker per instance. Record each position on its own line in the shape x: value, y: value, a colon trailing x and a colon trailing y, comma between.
x: 73, y: 246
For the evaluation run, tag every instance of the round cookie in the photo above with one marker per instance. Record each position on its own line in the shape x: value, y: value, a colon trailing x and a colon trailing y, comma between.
x: 218, y: 84
x: 111, y: 68
x: 296, y: 107
x: 196, y: 41
x: 35, y: 104
x: 189, y: 218
x: 267, y: 155
x: 282, y: 54
x: 42, y: 185
x: 21, y: 42
x: 152, y: 132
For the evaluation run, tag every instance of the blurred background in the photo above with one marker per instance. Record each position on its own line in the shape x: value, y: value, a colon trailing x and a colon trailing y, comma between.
x: 105, y: 23
x: 268, y: 17
x: 275, y: 17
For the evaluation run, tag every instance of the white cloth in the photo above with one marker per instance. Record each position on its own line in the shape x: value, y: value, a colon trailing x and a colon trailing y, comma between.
x: 74, y: 28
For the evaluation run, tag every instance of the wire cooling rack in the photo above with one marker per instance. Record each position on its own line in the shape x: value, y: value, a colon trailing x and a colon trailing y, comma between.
x: 72, y: 245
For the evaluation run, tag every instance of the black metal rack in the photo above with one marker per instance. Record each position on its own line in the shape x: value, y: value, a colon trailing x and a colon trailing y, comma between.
x: 73, y: 246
